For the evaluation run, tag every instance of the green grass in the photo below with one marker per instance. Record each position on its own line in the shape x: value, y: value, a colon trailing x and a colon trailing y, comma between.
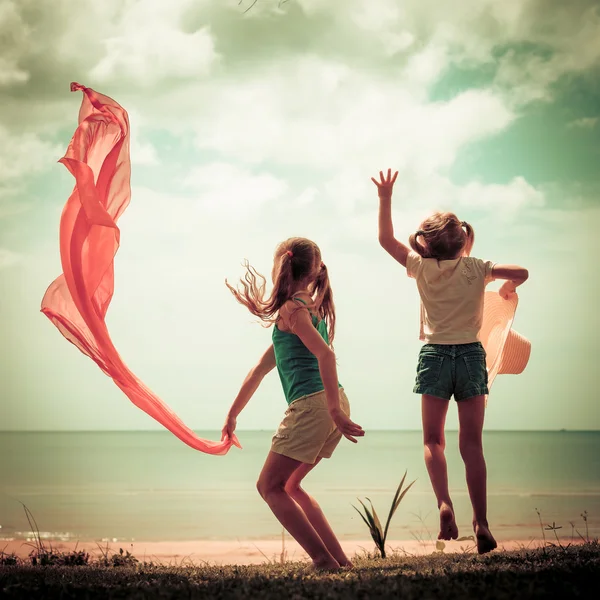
x: 549, y: 572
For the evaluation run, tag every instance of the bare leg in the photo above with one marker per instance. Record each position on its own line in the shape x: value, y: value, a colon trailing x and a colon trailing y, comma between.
x: 434, y: 412
x: 471, y: 413
x: 271, y: 486
x: 314, y: 514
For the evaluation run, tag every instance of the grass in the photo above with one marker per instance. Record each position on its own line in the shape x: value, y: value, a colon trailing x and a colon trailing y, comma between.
x: 547, y: 572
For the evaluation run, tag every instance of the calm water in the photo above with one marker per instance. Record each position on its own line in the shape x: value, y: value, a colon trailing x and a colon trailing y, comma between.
x: 150, y: 486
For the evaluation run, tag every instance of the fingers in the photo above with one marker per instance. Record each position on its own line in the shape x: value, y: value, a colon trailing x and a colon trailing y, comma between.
x: 388, y: 179
x: 349, y: 437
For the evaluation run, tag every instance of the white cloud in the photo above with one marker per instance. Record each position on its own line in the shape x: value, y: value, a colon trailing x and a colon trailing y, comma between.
x: 231, y: 191
x: 8, y: 258
x: 10, y: 73
x: 320, y: 114
x: 584, y: 123
x: 22, y: 155
x: 149, y: 46
x: 501, y: 199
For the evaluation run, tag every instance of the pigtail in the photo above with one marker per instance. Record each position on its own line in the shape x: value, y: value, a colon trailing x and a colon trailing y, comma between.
x: 323, y: 303
x: 414, y: 244
x: 470, y: 238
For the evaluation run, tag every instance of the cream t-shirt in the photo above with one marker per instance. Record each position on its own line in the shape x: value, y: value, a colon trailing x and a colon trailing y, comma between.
x: 451, y: 297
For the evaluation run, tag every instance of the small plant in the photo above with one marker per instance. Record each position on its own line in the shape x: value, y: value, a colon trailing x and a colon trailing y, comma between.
x: 8, y: 559
x: 372, y: 521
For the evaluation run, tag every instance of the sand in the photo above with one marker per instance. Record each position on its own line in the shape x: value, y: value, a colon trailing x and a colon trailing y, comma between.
x: 239, y: 552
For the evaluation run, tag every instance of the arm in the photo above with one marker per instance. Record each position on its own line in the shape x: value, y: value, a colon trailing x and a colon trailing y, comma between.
x: 386, y: 229
x: 300, y: 323
x: 250, y: 385
x: 514, y: 275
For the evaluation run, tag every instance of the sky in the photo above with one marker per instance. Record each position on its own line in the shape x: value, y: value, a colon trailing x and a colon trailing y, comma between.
x: 251, y: 127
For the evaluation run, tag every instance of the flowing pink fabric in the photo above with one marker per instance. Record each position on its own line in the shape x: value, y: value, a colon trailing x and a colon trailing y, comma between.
x: 77, y: 301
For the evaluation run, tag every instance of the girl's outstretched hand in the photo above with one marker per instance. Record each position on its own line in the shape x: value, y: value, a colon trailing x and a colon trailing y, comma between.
x: 507, y: 290
x: 229, y: 427
x: 385, y: 185
x: 347, y: 427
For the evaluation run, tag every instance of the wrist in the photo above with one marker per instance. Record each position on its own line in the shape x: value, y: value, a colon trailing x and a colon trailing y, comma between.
x: 335, y: 411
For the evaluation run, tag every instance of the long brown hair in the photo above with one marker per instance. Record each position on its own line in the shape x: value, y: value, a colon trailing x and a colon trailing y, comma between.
x: 295, y: 259
x: 445, y: 237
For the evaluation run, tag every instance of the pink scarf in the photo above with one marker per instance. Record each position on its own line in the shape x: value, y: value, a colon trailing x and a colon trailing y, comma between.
x: 77, y: 301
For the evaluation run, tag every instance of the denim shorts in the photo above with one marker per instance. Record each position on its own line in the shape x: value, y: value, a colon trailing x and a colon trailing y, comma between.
x: 452, y: 369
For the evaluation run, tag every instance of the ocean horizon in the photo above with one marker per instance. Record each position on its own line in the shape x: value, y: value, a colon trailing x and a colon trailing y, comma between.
x: 148, y: 485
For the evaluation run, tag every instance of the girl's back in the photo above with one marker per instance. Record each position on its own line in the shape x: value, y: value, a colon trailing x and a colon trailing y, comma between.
x: 451, y: 297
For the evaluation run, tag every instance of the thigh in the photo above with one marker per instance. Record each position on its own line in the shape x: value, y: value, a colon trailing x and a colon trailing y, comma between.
x: 278, y: 469
x: 471, y: 413
x: 301, y: 472
x: 433, y: 413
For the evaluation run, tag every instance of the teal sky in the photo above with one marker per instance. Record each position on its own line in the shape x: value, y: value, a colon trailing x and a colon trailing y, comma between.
x: 248, y: 128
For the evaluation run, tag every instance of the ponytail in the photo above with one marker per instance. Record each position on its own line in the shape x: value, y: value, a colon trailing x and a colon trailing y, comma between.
x: 323, y: 303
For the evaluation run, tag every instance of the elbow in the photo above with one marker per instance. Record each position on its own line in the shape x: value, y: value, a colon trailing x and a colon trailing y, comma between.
x: 385, y: 240
x: 326, y: 356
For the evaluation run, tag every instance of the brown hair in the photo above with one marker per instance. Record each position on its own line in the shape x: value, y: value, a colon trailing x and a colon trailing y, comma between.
x: 295, y: 259
x: 445, y: 237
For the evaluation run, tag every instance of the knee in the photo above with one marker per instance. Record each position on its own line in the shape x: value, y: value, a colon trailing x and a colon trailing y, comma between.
x: 434, y: 441
x: 293, y: 489
x: 470, y: 445
x: 267, y: 487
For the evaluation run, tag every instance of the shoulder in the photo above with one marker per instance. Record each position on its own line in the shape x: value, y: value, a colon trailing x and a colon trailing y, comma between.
x: 292, y: 311
x: 413, y: 263
x: 484, y: 267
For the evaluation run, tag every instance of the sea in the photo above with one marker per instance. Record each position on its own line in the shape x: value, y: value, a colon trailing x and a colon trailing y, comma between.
x: 128, y: 486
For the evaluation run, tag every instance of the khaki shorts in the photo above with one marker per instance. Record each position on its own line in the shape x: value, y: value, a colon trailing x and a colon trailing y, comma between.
x: 307, y: 432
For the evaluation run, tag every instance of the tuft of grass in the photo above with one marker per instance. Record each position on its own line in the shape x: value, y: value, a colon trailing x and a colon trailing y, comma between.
x: 372, y: 521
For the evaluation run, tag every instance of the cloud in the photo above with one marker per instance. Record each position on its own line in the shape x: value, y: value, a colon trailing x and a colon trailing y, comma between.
x: 8, y: 258
x: 233, y: 192
x: 500, y: 199
x: 22, y: 155
x: 10, y: 73
x: 584, y: 123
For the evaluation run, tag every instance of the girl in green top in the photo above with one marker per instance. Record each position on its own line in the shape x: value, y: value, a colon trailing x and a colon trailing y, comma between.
x: 301, y: 309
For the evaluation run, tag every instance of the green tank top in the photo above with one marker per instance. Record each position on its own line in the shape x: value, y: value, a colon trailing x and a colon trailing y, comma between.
x: 297, y: 366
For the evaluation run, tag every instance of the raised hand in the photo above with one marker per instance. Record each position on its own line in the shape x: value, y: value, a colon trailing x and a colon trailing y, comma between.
x: 348, y: 428
x: 385, y: 185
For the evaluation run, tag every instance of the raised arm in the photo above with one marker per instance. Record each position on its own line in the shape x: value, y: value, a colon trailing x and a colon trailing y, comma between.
x: 250, y: 385
x: 300, y: 323
x: 387, y: 240
x: 514, y: 276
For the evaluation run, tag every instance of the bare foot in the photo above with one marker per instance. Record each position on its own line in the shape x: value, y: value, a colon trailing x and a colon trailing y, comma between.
x: 326, y: 565
x: 448, y: 528
x: 485, y: 539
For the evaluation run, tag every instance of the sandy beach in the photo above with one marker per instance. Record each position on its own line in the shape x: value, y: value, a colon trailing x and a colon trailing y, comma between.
x: 240, y: 552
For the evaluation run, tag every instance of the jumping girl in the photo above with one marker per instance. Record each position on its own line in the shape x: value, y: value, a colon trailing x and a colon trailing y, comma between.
x: 302, y: 311
x: 451, y: 285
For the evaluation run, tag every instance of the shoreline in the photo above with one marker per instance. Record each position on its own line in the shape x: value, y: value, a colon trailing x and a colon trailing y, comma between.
x: 242, y: 552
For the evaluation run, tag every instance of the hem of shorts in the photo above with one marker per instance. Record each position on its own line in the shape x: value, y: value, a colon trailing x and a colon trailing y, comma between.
x: 431, y: 391
x: 471, y: 393
x: 288, y: 454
